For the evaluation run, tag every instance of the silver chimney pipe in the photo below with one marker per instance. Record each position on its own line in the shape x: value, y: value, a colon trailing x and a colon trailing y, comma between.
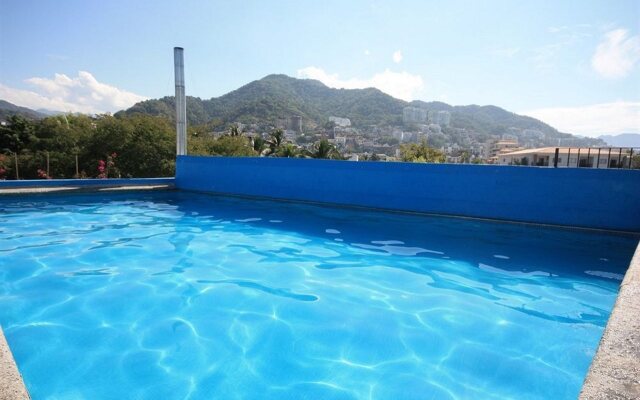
x: 181, y: 102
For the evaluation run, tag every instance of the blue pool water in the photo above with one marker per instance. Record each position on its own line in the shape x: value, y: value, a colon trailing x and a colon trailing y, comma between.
x: 189, y: 296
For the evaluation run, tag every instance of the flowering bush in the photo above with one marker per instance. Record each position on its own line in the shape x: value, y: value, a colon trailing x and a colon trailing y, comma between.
x: 42, y: 174
x: 3, y: 169
x: 102, y: 170
x: 108, y: 169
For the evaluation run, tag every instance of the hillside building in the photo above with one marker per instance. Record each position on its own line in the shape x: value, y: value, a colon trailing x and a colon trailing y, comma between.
x: 442, y: 118
x: 414, y: 115
x: 500, y: 147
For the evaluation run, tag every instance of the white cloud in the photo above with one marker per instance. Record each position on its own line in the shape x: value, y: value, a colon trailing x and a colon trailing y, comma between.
x: 397, y: 56
x: 545, y: 58
x: 78, y: 94
x: 402, y: 85
x: 593, y: 120
x: 617, y: 54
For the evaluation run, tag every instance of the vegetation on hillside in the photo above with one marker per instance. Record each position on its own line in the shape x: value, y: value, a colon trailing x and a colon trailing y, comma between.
x: 276, y: 97
x: 421, y: 152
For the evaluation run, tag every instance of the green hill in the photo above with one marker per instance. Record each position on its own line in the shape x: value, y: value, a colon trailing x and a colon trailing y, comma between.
x: 7, y: 109
x: 279, y: 96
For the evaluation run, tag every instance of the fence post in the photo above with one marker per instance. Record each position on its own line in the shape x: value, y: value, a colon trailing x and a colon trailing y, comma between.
x: 630, y: 157
x: 48, y: 175
x: 15, y: 156
x: 555, y: 159
x: 77, y: 173
x: 619, y: 158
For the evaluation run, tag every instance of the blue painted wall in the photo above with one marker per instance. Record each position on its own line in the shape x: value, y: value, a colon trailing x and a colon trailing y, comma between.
x: 85, y: 182
x: 585, y: 197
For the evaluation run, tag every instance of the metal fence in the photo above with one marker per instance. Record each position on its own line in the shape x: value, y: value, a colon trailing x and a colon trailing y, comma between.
x: 40, y: 165
x: 597, y: 157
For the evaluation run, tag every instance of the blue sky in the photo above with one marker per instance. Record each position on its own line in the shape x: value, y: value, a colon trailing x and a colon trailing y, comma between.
x: 574, y: 64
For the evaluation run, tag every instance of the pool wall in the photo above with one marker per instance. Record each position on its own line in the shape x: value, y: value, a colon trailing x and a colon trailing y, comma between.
x: 581, y: 197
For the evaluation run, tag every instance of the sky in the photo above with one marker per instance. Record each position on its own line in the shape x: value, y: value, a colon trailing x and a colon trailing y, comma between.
x: 572, y: 64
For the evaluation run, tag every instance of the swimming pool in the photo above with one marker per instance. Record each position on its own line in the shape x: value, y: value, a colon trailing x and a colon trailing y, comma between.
x: 179, y: 295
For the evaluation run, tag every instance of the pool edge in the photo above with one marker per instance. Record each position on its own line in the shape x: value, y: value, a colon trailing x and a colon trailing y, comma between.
x: 11, y: 384
x: 615, y: 370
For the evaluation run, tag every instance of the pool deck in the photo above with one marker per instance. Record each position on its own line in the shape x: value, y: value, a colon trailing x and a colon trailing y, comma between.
x: 71, y: 189
x: 11, y: 384
x: 615, y: 369
x: 53, y: 186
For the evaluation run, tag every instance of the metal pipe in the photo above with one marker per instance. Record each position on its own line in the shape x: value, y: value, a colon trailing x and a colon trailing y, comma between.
x: 589, y: 158
x: 555, y: 158
x: 578, y: 162
x: 77, y: 173
x: 15, y: 156
x: 48, y: 174
x: 598, y: 162
x: 181, y: 102
x: 630, y: 157
x: 568, y: 156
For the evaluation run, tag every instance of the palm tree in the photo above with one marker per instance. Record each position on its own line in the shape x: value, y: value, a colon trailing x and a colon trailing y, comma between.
x: 258, y: 144
x: 288, y: 150
x: 235, y: 131
x: 324, y: 149
x: 276, y: 139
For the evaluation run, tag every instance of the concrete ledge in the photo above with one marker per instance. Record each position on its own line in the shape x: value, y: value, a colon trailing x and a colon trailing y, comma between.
x: 11, y: 384
x: 78, y: 185
x: 615, y: 370
x: 84, y: 182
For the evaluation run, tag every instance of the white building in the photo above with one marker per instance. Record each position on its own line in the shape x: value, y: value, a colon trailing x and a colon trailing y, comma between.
x: 442, y: 118
x: 342, y: 122
x: 414, y: 115
x: 571, y: 157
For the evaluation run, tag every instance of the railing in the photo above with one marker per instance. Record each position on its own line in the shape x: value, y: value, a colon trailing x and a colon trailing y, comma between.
x: 604, y: 157
x: 42, y: 165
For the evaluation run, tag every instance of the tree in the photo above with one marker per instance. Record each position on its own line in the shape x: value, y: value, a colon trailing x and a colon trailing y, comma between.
x: 232, y: 146
x: 276, y: 138
x: 144, y: 146
x: 288, y: 150
x: 324, y: 149
x: 420, y: 152
x: 17, y: 135
x: 370, y: 157
x: 635, y: 162
x: 235, y: 131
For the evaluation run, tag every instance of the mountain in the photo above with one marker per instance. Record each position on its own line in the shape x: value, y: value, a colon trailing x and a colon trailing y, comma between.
x: 7, y: 109
x: 48, y: 112
x: 277, y: 97
x: 623, y: 139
